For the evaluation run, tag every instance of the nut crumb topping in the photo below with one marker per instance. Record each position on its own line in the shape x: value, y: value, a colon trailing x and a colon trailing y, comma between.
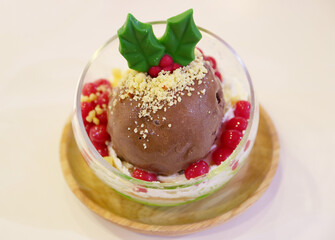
x: 153, y: 94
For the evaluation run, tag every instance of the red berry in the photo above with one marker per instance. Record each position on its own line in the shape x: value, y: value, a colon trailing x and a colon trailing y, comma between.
x: 200, y: 50
x: 88, y: 126
x: 153, y: 71
x: 144, y: 175
x: 89, y: 88
x: 221, y: 154
x: 196, y: 169
x: 99, y: 134
x: 237, y: 123
x: 168, y: 68
x: 101, y: 148
x: 102, y: 81
x: 106, y: 85
x: 211, y: 60
x: 218, y: 74
x: 166, y: 61
x: 231, y: 138
x: 86, y: 107
x: 176, y: 66
x: 102, y: 117
x: 242, y: 109
x: 103, y: 98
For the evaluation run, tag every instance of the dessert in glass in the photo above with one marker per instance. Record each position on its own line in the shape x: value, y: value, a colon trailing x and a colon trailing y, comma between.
x: 165, y: 121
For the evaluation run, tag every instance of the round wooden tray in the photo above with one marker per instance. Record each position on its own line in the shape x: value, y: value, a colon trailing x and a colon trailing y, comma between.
x: 237, y: 195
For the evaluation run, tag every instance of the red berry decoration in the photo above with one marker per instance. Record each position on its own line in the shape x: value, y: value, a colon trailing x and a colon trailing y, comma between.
x: 168, y: 68
x: 101, y: 148
x: 144, y: 175
x: 176, y: 66
x: 231, y: 138
x: 88, y: 88
x: 102, y: 81
x: 102, y: 117
x: 237, y: 123
x: 242, y: 109
x: 211, y: 60
x: 196, y: 169
x: 103, y: 98
x: 105, y: 83
x: 166, y: 61
x: 99, y: 134
x: 86, y: 107
x: 153, y: 71
x: 88, y: 126
x: 218, y: 74
x: 221, y: 154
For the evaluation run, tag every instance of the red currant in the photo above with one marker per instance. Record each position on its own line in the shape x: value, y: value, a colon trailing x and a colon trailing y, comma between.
x: 220, y: 154
x: 153, y: 71
x: 144, y: 175
x: 166, y: 61
x: 176, y: 66
x: 231, y: 138
x: 103, y: 98
x: 237, y: 123
x: 196, y: 169
x: 89, y: 88
x: 86, y: 107
x: 211, y: 60
x: 99, y: 134
x: 102, y: 81
x: 168, y: 68
x: 102, y: 117
x: 88, y: 126
x: 101, y: 148
x: 242, y: 109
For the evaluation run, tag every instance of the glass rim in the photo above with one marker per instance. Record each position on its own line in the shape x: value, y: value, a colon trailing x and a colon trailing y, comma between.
x: 104, y: 164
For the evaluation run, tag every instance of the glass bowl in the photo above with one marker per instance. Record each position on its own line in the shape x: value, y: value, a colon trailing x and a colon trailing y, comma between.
x: 235, y: 75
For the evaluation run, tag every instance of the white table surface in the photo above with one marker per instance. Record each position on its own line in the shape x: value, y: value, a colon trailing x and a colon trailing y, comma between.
x: 289, y: 49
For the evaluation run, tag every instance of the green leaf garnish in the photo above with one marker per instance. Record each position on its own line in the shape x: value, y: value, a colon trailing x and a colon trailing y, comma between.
x: 180, y: 37
x: 138, y: 45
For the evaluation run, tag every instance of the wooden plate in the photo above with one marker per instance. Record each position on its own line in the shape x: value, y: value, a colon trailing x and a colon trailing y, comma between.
x: 237, y: 195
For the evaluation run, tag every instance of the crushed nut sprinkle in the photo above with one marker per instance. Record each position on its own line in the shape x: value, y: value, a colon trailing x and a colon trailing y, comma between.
x: 153, y: 94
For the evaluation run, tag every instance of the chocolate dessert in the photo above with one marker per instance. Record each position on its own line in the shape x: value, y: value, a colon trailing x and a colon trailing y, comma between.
x: 164, y: 128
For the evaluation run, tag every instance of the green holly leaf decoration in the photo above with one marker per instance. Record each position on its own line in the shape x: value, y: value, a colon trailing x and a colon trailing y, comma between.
x: 138, y: 45
x: 180, y: 37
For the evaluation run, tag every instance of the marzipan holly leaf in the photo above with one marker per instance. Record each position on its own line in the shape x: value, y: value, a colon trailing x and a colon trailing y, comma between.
x: 180, y: 37
x: 138, y: 45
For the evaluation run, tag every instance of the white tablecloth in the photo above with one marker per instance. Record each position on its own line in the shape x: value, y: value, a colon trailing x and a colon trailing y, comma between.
x: 289, y: 49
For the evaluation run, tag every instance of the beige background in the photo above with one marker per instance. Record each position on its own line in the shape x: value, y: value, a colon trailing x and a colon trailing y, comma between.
x: 289, y: 49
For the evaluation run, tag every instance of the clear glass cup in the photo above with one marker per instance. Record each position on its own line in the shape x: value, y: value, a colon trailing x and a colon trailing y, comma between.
x: 167, y: 194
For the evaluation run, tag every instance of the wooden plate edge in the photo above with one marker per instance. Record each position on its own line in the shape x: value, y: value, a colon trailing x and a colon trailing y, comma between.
x: 171, y: 230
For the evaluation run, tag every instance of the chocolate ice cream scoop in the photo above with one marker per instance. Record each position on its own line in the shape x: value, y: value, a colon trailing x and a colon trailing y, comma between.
x: 170, y: 139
